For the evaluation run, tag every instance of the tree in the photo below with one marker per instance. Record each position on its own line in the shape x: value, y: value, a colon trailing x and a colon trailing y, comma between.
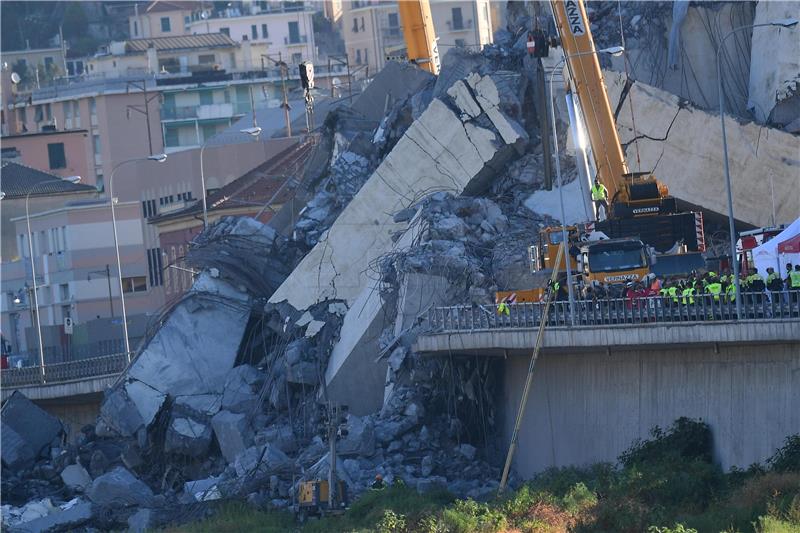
x: 76, y: 23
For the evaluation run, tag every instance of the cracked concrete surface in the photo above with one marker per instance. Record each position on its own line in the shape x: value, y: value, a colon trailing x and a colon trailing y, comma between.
x: 684, y: 146
x: 438, y: 152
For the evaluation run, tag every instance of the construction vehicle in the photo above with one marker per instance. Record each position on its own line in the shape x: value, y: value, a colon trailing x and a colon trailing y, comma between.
x: 643, y: 220
x: 419, y: 34
x: 313, y: 497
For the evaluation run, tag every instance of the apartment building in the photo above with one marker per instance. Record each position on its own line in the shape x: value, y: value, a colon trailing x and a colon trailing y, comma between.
x: 161, y: 19
x: 372, y: 29
x: 285, y: 28
x: 60, y: 152
x: 75, y: 261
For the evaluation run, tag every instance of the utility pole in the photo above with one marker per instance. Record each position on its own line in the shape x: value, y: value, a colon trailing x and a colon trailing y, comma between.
x: 144, y: 110
x: 284, y: 74
x: 107, y: 274
x: 346, y: 62
x: 335, y: 415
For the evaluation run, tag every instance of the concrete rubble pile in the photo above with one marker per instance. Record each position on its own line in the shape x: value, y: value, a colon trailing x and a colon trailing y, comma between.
x: 432, y: 200
x: 222, y: 399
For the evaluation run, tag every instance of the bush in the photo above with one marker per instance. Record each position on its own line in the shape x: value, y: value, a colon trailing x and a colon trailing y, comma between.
x: 686, y: 438
x: 787, y: 458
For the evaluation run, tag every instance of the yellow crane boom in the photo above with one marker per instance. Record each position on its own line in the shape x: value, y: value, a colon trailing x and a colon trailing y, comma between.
x: 589, y: 85
x: 419, y: 34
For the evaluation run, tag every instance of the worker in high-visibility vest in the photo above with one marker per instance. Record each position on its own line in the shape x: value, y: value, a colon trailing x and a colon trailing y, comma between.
x: 794, y: 284
x: 600, y: 198
x: 714, y: 288
x: 688, y: 294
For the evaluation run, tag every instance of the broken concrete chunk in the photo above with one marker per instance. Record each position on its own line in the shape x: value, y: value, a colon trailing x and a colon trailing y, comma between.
x: 30, y: 429
x: 76, y: 477
x: 314, y: 327
x: 282, y: 437
x: 202, y: 404
x: 304, y: 372
x: 304, y: 319
x: 233, y: 433
x: 360, y: 439
x: 187, y: 437
x: 203, y: 489
x: 131, y: 457
x: 264, y: 459
x: 467, y: 450
x: 58, y: 520
x: 120, y: 488
x: 397, y: 357
x: 148, y: 401
x: 140, y: 521
x: 241, y: 389
x: 462, y: 97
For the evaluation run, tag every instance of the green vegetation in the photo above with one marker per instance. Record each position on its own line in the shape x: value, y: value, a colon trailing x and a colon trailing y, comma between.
x: 666, y: 484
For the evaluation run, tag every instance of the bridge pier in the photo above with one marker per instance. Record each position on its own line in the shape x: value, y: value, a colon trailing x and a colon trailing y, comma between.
x: 596, y: 389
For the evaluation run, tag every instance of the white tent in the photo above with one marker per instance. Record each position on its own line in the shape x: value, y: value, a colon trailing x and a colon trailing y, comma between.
x: 767, y: 254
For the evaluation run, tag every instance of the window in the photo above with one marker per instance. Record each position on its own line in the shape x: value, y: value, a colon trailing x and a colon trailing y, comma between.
x: 134, y: 284
x: 66, y: 311
x: 48, y: 62
x: 366, y: 59
x: 149, y: 208
x: 355, y: 25
x: 154, y: 269
x: 208, y: 131
x: 264, y: 32
x: 394, y: 21
x: 100, y: 183
x: 38, y: 115
x: 205, y: 59
x: 56, y: 156
x: 63, y: 290
x: 294, y: 32
x: 297, y: 58
x: 254, y: 31
x: 358, y: 56
x: 171, y: 137
x: 93, y: 110
x: 461, y: 43
x: 22, y: 115
x: 48, y: 112
x: 67, y: 107
x: 226, y: 31
x: 165, y: 24
x: 458, y: 19
x: 206, y: 98
x: 362, y: 23
x: 98, y: 149
x: 135, y: 29
x: 187, y: 20
x: 76, y: 112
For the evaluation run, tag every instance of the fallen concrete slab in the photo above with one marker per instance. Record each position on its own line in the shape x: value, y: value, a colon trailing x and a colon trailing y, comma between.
x: 27, y: 431
x: 59, y: 520
x: 436, y: 152
x: 683, y: 146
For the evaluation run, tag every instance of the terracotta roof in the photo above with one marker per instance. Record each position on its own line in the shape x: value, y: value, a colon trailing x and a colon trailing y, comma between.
x: 17, y: 180
x: 254, y: 188
x: 181, y: 42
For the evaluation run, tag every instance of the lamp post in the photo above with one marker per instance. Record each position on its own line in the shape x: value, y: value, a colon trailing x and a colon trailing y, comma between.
x: 253, y: 132
x: 72, y: 179
x: 785, y: 23
x: 159, y: 158
x: 615, y: 51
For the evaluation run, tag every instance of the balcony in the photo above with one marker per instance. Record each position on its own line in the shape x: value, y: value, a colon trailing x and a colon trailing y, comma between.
x: 297, y: 41
x: 459, y: 25
x: 198, y: 112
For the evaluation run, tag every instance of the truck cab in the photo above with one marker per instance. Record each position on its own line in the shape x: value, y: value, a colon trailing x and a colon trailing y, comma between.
x: 615, y: 261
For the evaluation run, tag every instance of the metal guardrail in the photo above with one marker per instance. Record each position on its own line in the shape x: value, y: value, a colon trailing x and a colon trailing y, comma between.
x: 61, y: 372
x: 613, y: 311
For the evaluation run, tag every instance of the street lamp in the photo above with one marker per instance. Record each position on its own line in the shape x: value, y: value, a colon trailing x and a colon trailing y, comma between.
x: 614, y: 51
x: 785, y: 23
x: 71, y: 179
x: 158, y: 158
x: 252, y: 132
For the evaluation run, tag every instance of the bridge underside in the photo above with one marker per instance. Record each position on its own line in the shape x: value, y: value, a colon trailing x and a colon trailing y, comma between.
x: 596, y: 390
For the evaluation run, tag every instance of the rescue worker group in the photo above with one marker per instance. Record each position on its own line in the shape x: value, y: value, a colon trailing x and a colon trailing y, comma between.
x: 678, y: 291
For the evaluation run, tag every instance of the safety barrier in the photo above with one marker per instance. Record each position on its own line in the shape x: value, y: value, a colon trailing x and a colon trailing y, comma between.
x: 614, y: 311
x: 106, y: 365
